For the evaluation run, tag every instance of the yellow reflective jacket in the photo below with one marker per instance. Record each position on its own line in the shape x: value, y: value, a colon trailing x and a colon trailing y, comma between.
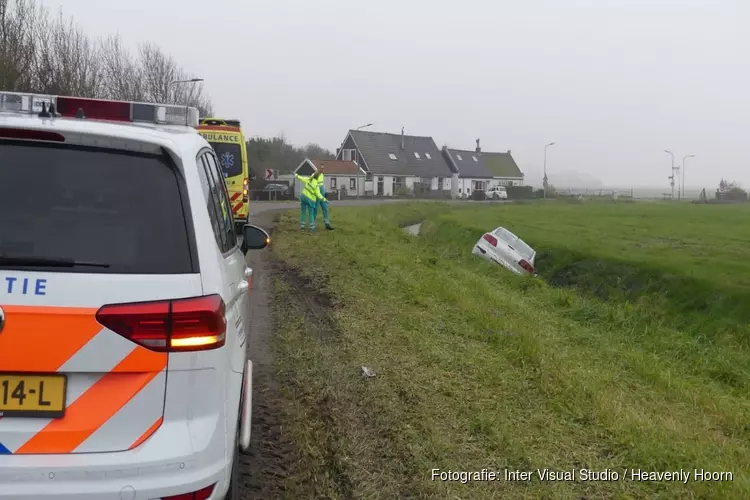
x: 310, y: 188
x: 322, y: 184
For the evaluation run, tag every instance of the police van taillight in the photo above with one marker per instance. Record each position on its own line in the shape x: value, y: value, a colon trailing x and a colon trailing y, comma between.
x: 180, y: 325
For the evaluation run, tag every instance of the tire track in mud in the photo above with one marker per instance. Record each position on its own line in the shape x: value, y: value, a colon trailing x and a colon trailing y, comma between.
x: 272, y: 454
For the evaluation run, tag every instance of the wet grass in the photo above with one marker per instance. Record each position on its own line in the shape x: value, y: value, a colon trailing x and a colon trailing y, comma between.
x: 630, y: 351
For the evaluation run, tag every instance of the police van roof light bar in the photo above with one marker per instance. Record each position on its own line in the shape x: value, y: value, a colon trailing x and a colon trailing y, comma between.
x: 98, y: 109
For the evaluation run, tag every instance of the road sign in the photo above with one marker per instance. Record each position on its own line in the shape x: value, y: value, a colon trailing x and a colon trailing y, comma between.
x: 269, y: 174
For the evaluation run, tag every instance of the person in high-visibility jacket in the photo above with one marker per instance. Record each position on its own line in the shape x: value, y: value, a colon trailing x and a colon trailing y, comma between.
x: 309, y: 199
x: 323, y: 204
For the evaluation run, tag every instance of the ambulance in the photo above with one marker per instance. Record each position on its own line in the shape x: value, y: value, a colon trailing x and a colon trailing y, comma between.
x: 227, y: 140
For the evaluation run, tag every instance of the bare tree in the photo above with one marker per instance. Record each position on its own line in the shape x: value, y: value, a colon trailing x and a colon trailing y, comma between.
x: 121, y: 74
x: 164, y: 80
x: 67, y: 62
x: 40, y: 54
x: 17, y: 43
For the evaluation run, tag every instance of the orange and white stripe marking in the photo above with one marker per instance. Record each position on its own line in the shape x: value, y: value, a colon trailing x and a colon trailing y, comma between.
x: 115, y: 392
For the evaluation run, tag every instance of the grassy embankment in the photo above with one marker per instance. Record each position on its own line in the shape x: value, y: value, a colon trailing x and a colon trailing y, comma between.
x: 631, y: 351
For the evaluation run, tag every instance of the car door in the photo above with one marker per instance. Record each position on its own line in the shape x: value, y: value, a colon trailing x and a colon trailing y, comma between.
x: 233, y: 267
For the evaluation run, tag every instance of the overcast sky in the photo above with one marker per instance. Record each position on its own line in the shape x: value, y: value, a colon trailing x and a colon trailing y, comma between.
x: 613, y: 82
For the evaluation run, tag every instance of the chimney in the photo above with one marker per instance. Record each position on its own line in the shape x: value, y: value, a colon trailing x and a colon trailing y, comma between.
x: 508, y: 151
x: 338, y: 150
x: 479, y: 149
x: 402, y: 138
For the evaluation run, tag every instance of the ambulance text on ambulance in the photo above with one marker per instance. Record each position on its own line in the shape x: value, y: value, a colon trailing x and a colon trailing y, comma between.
x: 211, y: 137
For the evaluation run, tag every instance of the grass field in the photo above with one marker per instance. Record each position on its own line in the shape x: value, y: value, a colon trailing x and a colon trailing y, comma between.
x: 630, y: 351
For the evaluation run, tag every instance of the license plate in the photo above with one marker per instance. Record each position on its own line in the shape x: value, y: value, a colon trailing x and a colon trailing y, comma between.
x: 32, y: 396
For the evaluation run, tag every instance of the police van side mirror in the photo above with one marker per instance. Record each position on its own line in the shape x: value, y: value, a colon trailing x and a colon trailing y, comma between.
x: 254, y: 238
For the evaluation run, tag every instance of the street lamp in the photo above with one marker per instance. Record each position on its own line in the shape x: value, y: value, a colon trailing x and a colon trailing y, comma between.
x: 545, y: 168
x: 192, y: 80
x: 365, y: 126
x: 683, y: 172
x: 672, y: 177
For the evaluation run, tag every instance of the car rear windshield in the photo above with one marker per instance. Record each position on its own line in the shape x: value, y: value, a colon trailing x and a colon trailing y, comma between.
x: 517, y: 243
x: 92, y: 205
x: 230, y: 158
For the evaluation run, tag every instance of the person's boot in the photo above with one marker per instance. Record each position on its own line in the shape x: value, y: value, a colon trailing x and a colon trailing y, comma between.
x: 328, y: 227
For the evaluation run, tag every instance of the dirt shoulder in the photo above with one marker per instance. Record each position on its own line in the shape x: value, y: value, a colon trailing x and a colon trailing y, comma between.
x: 272, y: 454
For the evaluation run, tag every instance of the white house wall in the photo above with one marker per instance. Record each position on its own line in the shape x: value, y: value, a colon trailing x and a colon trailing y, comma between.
x: 465, y: 185
x: 343, y: 183
x: 508, y: 181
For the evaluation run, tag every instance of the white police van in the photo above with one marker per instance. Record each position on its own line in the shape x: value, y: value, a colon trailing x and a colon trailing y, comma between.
x: 124, y: 301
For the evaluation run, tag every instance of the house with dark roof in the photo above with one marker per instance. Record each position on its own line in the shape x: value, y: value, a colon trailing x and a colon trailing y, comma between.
x: 344, y: 177
x: 395, y: 163
x: 479, y: 170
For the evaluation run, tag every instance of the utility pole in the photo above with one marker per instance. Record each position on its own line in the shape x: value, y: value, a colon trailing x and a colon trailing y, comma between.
x: 356, y: 179
x: 544, y: 182
x: 671, y: 177
x: 683, y: 172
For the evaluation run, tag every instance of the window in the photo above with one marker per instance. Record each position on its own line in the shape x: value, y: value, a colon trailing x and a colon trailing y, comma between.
x: 218, y: 204
x: 230, y: 158
x: 459, y: 158
x: 208, y: 194
x: 121, y: 209
x: 475, y: 159
x: 349, y: 155
x: 416, y: 155
x: 333, y: 183
x: 392, y: 156
x: 427, y: 155
x: 352, y: 183
x: 517, y: 243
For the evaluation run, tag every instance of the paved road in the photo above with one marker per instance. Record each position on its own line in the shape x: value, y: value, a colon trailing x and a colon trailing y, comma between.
x: 257, y: 207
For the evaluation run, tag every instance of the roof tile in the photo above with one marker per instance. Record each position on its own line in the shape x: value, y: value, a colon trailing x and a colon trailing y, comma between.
x: 375, y: 148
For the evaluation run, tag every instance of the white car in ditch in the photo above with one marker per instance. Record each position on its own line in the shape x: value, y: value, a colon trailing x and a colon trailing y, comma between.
x: 505, y: 248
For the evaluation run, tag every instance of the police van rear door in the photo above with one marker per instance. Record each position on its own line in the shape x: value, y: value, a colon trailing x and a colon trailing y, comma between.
x: 90, y: 237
